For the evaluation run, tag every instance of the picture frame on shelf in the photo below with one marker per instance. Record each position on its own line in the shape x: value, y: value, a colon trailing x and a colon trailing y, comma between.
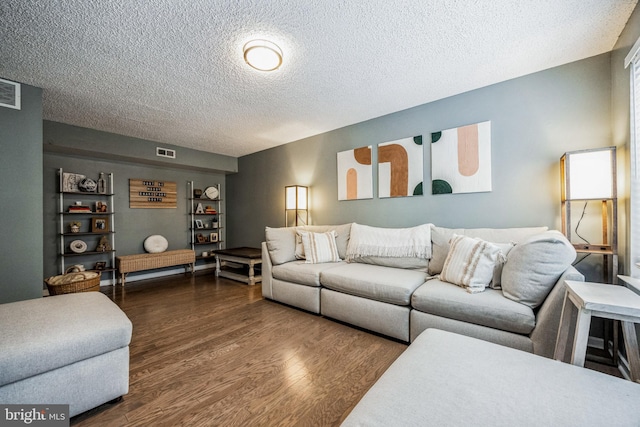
x: 200, y: 238
x: 100, y: 265
x: 199, y: 224
x: 101, y: 207
x: 213, y: 237
x: 70, y: 182
x: 100, y: 225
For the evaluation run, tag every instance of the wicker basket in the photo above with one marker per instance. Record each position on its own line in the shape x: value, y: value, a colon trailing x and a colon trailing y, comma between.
x: 85, y: 281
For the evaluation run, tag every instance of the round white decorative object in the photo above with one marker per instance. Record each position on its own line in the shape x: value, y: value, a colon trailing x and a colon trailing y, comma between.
x: 88, y: 185
x: 78, y: 246
x: 155, y: 244
x: 211, y: 193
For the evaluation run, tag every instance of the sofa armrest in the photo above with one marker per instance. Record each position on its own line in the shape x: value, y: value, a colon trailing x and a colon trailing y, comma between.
x: 267, y: 289
x: 548, y: 317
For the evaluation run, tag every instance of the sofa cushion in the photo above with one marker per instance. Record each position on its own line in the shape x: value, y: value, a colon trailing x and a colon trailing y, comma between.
x: 385, y: 284
x: 534, y: 266
x: 281, y: 243
x: 489, y: 308
x: 343, y: 233
x: 440, y: 237
x: 301, y: 273
x: 470, y: 263
x: 319, y: 247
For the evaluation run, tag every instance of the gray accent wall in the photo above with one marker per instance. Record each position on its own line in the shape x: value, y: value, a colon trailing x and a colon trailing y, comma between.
x: 534, y: 120
x: 77, y: 141
x: 21, y: 198
x: 132, y: 226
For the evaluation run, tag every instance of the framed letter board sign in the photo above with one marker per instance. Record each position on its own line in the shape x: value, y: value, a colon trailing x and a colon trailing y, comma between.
x: 152, y: 194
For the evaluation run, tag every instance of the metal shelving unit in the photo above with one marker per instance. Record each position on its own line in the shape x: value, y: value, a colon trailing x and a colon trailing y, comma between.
x: 87, y: 258
x: 205, y: 224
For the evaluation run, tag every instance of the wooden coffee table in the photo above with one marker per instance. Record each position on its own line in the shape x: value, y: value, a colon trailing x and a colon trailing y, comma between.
x: 239, y: 264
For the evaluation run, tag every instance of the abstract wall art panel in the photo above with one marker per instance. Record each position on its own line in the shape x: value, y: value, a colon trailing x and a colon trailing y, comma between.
x: 355, y: 174
x: 400, y: 168
x: 461, y: 159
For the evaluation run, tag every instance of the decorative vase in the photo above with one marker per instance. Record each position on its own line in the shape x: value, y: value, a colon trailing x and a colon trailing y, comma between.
x: 102, y: 184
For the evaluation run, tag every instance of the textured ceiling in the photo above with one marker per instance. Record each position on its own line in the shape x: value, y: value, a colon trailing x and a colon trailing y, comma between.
x: 172, y: 70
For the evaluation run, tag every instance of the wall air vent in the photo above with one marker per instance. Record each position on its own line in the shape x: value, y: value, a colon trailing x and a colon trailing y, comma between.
x: 9, y: 94
x: 165, y: 152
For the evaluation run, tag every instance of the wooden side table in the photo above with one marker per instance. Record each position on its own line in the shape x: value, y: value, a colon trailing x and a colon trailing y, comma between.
x: 251, y: 257
x: 606, y: 301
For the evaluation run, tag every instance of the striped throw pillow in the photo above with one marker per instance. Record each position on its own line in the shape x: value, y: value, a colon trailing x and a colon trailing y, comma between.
x: 470, y: 263
x: 320, y: 247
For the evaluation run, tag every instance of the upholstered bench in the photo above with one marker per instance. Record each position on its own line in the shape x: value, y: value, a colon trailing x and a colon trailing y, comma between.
x: 444, y: 379
x: 140, y: 262
x: 66, y: 349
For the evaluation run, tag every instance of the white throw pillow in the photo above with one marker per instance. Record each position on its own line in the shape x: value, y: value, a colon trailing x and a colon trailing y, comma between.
x: 343, y: 233
x: 440, y: 237
x: 470, y: 263
x: 155, y: 244
x: 320, y: 247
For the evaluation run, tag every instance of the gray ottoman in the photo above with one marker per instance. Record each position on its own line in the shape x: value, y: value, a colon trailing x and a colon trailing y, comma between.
x: 444, y: 379
x: 66, y: 349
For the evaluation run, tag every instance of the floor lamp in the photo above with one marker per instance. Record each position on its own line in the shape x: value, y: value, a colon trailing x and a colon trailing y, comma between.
x: 590, y: 175
x: 296, y: 205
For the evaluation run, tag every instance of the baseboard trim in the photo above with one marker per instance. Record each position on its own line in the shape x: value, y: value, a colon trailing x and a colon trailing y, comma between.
x: 131, y: 277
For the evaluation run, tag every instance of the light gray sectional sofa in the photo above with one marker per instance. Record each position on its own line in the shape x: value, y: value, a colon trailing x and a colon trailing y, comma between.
x: 402, y: 295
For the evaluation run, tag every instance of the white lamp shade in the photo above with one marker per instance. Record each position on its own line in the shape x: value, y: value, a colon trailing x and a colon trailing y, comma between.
x: 590, y: 174
x: 295, y: 197
x: 302, y: 198
x: 290, y: 198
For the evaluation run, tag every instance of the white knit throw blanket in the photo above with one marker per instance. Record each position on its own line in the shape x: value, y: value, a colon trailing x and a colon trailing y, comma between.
x: 412, y: 242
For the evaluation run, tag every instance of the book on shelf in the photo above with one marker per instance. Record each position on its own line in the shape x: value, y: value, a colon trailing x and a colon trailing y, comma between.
x: 79, y: 209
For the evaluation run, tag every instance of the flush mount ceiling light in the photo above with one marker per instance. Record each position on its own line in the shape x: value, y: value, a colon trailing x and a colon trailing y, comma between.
x: 262, y: 55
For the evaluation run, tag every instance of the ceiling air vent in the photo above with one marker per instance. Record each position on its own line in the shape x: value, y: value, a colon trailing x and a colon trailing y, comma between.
x: 165, y: 152
x: 9, y: 94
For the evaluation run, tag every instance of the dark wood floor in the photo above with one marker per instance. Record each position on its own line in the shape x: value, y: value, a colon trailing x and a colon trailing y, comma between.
x: 209, y: 352
x: 213, y: 352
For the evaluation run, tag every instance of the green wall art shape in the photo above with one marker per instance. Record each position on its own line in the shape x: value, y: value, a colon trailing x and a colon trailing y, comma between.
x: 439, y: 186
x: 418, y: 190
